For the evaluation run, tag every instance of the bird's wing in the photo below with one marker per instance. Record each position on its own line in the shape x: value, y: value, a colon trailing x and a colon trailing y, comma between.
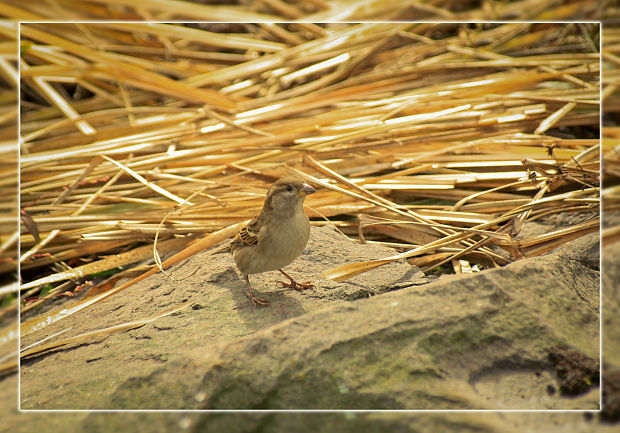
x: 248, y: 235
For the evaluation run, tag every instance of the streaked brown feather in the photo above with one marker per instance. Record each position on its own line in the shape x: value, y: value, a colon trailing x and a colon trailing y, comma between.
x: 248, y: 235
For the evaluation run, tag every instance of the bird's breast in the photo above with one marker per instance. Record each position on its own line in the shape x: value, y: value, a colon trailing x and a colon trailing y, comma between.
x: 278, y: 245
x: 286, y: 239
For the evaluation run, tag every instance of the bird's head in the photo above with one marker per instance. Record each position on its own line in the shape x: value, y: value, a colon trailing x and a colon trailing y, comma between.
x: 287, y: 194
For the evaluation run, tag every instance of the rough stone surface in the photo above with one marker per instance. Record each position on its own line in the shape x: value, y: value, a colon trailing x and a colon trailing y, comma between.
x: 611, y: 325
x: 469, y: 341
x: 206, y: 332
x: 220, y: 314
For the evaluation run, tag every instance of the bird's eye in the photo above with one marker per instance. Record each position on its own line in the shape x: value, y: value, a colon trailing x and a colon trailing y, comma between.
x: 289, y: 188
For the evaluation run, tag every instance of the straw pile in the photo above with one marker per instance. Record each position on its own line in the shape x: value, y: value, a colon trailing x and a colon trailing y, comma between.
x: 303, y: 10
x: 9, y: 83
x: 438, y: 139
x: 611, y: 120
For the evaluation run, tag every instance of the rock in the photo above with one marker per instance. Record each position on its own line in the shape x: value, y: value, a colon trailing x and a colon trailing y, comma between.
x: 467, y: 341
x: 611, y: 326
x: 326, y: 249
x: 220, y: 314
x: 478, y: 341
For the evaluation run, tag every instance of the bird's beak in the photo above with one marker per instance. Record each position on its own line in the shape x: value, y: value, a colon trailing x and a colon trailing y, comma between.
x: 306, y: 190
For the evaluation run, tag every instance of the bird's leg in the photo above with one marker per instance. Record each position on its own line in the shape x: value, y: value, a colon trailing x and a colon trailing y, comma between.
x: 294, y: 284
x: 259, y: 302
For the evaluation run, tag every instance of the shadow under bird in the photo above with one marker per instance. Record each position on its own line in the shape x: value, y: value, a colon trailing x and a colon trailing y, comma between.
x: 275, y: 237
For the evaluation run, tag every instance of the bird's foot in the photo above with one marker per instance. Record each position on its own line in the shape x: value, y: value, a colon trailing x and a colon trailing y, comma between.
x: 294, y: 284
x: 259, y: 302
x: 297, y: 286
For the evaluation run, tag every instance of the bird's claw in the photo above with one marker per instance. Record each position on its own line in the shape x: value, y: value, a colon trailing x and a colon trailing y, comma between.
x: 259, y: 302
x: 294, y: 284
x: 297, y: 286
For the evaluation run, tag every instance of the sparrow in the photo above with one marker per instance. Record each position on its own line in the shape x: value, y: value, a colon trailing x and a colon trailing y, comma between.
x: 275, y: 237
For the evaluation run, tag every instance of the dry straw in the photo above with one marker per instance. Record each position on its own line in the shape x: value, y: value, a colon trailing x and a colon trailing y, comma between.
x: 441, y: 140
x: 611, y: 132
x: 306, y: 10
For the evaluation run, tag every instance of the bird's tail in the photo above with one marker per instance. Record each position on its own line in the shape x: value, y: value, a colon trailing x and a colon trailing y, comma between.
x: 223, y: 249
